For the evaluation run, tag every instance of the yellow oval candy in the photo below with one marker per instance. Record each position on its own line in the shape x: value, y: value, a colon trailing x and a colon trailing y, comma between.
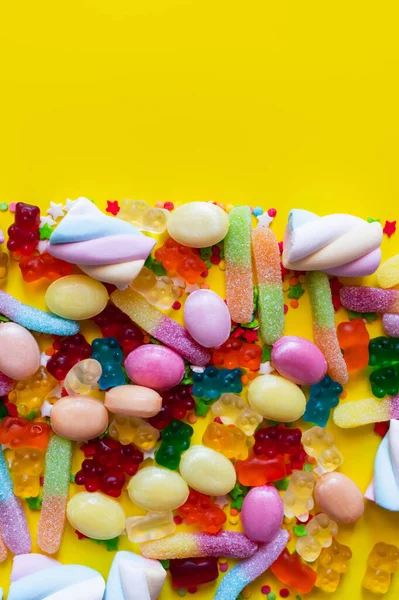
x: 388, y: 273
x: 96, y: 516
x: 207, y: 471
x: 76, y: 297
x: 158, y: 489
x: 198, y: 224
x: 276, y: 398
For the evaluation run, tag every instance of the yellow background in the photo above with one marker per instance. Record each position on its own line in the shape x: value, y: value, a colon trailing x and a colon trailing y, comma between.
x: 265, y: 103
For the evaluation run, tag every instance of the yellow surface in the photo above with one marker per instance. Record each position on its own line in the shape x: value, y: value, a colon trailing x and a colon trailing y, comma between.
x: 265, y: 103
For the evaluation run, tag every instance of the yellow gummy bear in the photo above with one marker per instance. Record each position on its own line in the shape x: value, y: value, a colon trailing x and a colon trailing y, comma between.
x: 319, y: 443
x: 382, y: 561
x: 388, y: 273
x: 229, y: 440
x: 3, y: 265
x: 143, y: 216
x: 158, y: 291
x: 29, y: 394
x: 233, y: 410
x: 298, y: 500
x: 320, y: 532
x: 28, y: 465
x: 153, y: 526
x: 133, y: 430
x: 332, y: 563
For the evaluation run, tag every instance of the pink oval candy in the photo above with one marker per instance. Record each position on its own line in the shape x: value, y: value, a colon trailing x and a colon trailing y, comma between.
x: 339, y: 497
x: 155, y: 367
x: 19, y: 351
x: 133, y: 400
x: 298, y: 360
x: 262, y: 513
x: 207, y: 318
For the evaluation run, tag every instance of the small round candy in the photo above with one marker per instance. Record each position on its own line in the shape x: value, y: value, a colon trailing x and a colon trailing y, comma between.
x: 154, y: 366
x: 276, y: 398
x: 262, y: 513
x: 79, y: 418
x: 198, y: 224
x: 207, y: 471
x: 19, y: 352
x: 298, y: 360
x: 339, y: 497
x: 207, y: 318
x: 157, y: 489
x: 133, y: 401
x: 76, y: 297
x: 96, y: 516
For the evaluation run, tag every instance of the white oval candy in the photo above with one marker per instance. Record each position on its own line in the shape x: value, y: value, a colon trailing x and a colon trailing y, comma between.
x: 198, y: 224
x: 207, y: 318
x: 157, y: 489
x: 207, y: 471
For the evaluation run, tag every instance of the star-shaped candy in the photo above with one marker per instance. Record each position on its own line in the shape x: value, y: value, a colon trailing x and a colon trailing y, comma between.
x: 45, y: 232
x: 265, y: 368
x: 46, y: 408
x: 149, y: 453
x: 296, y: 291
x: 221, y: 501
x: 55, y: 210
x: 264, y: 220
x: 68, y: 205
x: 49, y: 220
x: 389, y: 228
x: 112, y: 207
x: 42, y: 246
x: 44, y: 358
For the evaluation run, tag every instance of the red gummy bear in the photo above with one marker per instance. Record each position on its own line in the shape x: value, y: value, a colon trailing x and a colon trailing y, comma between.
x: 177, y: 258
x: 71, y: 350
x: 44, y: 265
x: 115, y: 323
x: 259, y: 470
x: 199, y: 510
x: 271, y: 441
x: 353, y: 339
x: 289, y: 569
x: 18, y: 432
x: 176, y: 402
x: 23, y: 235
x: 234, y: 353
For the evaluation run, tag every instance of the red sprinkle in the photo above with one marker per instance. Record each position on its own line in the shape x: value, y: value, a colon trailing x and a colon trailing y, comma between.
x: 272, y: 212
x: 223, y: 568
x: 285, y: 309
x: 218, y: 420
x: 265, y: 589
x: 178, y: 520
x: 336, y: 300
x: 284, y: 593
x: 381, y: 428
x: 169, y: 205
x: 176, y: 305
x: 215, y: 260
x: 281, y: 248
x: 204, y: 274
x: 112, y: 207
x: 389, y: 228
x: 81, y: 536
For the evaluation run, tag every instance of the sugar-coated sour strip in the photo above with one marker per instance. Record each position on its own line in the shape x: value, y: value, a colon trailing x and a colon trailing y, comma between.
x: 3, y: 549
x: 363, y: 412
x: 160, y: 326
x: 55, y: 494
x: 239, y: 279
x: 324, y: 331
x: 35, y: 319
x: 369, y: 299
x: 6, y: 384
x: 191, y: 545
x: 251, y: 568
x: 391, y: 324
x: 13, y: 525
x: 268, y: 272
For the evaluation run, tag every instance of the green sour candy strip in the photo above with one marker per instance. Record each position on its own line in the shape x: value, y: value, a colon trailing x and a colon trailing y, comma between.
x: 271, y: 312
x: 58, y: 467
x: 237, y: 244
x: 320, y: 297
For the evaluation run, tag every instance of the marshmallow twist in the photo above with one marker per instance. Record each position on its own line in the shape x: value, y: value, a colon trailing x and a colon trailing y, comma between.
x: 384, y: 488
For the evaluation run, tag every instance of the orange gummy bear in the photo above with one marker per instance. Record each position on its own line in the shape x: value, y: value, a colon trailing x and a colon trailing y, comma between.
x: 354, y: 340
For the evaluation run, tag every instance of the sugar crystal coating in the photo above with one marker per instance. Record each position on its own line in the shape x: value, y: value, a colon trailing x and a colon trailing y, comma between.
x: 13, y: 525
x: 189, y: 545
x: 369, y: 299
x: 363, y: 412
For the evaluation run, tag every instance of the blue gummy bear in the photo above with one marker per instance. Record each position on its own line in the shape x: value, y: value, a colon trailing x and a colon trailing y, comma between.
x: 213, y: 382
x: 109, y: 354
x: 323, y: 397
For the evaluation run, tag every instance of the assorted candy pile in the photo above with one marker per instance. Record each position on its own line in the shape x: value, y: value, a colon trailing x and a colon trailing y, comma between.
x: 130, y: 399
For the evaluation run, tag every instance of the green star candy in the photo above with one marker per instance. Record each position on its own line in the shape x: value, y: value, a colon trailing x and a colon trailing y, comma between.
x: 296, y: 291
x: 34, y: 503
x: 111, y: 545
x: 371, y: 220
x: 300, y: 530
x: 45, y: 231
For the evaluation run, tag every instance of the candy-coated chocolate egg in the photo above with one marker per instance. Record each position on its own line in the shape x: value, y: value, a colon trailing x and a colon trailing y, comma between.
x: 157, y: 489
x: 207, y: 318
x: 339, y: 497
x: 95, y: 515
x: 262, y: 513
x: 154, y: 366
x: 76, y: 297
x: 19, y: 351
x: 276, y: 398
x: 79, y: 418
x: 298, y: 360
x: 198, y: 224
x: 133, y: 401
x: 207, y: 471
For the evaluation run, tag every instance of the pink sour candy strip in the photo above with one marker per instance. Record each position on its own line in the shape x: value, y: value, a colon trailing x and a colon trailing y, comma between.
x: 191, y: 545
x: 390, y: 323
x: 5, y: 384
x: 369, y: 299
x: 160, y: 326
x: 13, y: 525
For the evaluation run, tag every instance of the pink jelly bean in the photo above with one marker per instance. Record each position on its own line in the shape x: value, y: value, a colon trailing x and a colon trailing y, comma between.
x: 298, y: 360
x: 262, y: 513
x: 155, y: 367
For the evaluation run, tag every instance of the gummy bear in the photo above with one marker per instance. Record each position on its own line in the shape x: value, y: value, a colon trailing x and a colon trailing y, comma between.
x: 177, y: 258
x: 235, y: 353
x: 83, y: 377
x: 190, y: 572
x: 109, y: 354
x: 332, y: 563
x: 70, y: 350
x: 18, y: 432
x: 259, y: 470
x: 323, y: 397
x: 115, y: 323
x: 385, y: 381
x: 176, y: 402
x: 199, y: 510
x: 133, y: 430
x: 158, y: 291
x: 153, y: 526
x: 353, y: 339
x: 383, y: 351
x: 175, y: 439
x: 43, y: 265
x: 319, y: 443
x: 234, y: 410
x: 3, y: 265
x: 213, y: 382
x: 289, y: 569
x: 143, y: 216
x: 227, y: 439
x: 320, y: 532
x: 23, y: 235
x: 29, y: 394
x: 382, y: 561
x: 27, y: 465
x: 298, y: 500
x: 280, y: 439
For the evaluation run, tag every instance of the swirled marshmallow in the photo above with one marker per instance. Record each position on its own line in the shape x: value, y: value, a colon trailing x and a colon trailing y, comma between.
x: 384, y: 488
x: 133, y: 577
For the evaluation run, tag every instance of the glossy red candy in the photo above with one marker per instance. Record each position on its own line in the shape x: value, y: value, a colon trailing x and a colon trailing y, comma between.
x: 289, y: 569
x: 354, y: 339
x: 271, y: 441
x: 43, y: 265
x: 18, y: 432
x: 70, y: 350
x: 259, y: 470
x: 176, y: 402
x: 23, y: 235
x: 188, y: 572
x: 199, y: 510
x: 235, y: 353
x: 114, y: 323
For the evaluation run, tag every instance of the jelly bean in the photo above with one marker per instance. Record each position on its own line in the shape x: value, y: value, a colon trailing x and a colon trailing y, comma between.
x: 19, y: 352
x: 207, y: 471
x: 155, y: 366
x: 339, y: 497
x: 298, y: 360
x: 133, y: 401
x: 262, y: 513
x: 79, y: 418
x: 276, y: 398
x: 207, y: 318
x: 76, y: 297
x: 96, y: 516
x: 198, y: 224
x: 157, y: 489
